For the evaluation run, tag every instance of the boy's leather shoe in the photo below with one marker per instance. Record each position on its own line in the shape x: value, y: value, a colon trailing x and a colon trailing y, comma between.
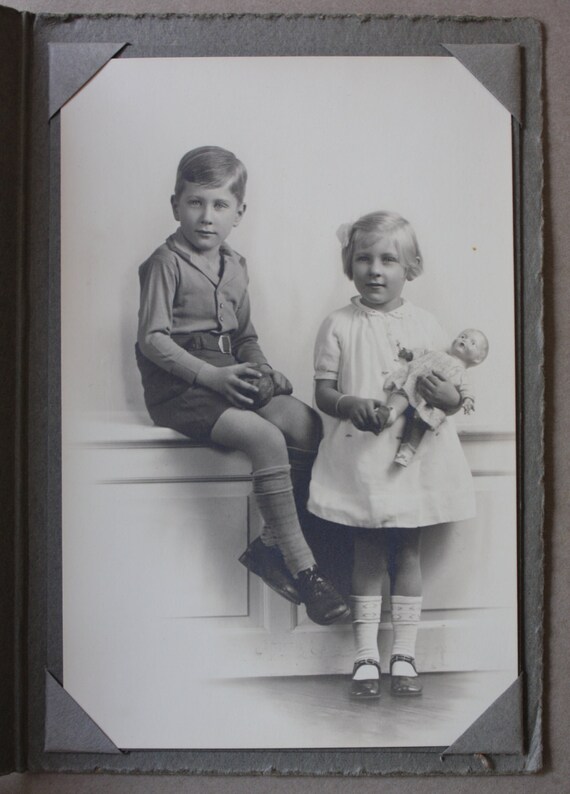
x: 267, y: 562
x: 324, y: 605
x: 365, y: 687
x: 404, y: 685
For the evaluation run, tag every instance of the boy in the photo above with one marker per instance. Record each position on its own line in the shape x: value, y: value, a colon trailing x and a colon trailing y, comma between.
x: 198, y: 354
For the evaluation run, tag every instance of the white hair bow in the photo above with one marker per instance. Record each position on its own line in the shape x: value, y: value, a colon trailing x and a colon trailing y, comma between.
x: 343, y: 233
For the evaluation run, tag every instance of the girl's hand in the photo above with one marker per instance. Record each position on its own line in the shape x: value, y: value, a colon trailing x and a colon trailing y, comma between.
x: 228, y: 381
x: 281, y: 384
x: 361, y: 412
x: 439, y: 392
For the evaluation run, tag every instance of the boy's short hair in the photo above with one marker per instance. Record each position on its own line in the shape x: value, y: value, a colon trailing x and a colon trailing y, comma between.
x: 212, y: 166
x: 381, y: 224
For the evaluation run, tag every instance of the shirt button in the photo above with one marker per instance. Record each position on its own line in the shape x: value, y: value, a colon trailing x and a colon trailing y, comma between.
x: 221, y: 305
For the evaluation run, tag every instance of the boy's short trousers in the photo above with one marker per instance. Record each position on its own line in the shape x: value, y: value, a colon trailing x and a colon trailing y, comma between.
x: 171, y: 402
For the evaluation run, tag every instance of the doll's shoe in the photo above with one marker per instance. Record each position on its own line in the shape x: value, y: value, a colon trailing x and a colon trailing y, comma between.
x: 324, y: 605
x: 365, y: 687
x: 385, y: 414
x: 268, y: 563
x: 404, y: 685
x: 405, y: 455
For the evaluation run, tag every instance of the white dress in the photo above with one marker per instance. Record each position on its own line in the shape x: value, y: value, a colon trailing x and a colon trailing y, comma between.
x: 355, y: 480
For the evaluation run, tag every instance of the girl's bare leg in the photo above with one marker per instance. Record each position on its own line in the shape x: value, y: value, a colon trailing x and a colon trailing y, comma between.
x: 366, y: 602
x: 406, y: 602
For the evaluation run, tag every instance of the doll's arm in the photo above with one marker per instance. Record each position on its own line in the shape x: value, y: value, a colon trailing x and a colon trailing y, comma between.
x: 407, y: 354
x: 467, y: 396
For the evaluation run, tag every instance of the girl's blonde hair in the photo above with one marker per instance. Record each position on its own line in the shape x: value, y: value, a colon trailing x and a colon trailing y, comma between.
x: 380, y: 224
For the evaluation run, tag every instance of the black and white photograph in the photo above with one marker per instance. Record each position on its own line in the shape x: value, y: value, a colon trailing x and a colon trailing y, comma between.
x: 289, y: 472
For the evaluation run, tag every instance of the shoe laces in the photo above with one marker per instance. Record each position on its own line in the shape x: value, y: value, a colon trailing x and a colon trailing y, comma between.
x: 313, y: 578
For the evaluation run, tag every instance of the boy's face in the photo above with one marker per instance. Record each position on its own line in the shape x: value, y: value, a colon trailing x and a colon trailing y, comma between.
x: 206, y: 215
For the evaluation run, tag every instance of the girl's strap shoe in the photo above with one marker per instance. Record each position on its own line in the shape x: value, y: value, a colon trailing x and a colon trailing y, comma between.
x: 365, y: 687
x: 404, y: 685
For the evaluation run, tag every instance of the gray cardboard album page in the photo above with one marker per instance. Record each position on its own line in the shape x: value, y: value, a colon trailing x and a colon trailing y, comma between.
x: 155, y: 651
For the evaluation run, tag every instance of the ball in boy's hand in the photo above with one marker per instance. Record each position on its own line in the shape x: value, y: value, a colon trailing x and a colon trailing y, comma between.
x: 265, y: 393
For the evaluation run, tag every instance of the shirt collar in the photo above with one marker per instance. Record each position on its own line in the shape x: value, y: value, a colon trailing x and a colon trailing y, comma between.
x: 180, y: 245
x: 398, y: 313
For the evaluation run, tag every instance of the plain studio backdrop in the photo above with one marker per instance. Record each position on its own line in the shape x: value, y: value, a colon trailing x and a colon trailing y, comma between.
x: 324, y: 140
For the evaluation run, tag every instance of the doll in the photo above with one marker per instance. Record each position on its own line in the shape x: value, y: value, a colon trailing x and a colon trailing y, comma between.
x: 467, y: 350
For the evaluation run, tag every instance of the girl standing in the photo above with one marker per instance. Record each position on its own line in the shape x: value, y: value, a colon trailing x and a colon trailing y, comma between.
x: 355, y: 482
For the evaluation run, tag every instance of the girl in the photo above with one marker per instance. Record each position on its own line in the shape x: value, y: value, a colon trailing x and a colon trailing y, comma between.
x: 355, y: 481
x: 199, y: 357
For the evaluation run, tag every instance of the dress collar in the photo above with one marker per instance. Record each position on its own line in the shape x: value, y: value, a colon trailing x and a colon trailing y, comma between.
x: 398, y: 313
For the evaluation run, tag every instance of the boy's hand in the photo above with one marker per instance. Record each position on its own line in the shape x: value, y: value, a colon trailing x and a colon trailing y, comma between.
x: 468, y: 405
x: 362, y: 413
x: 230, y: 383
x: 282, y: 385
x: 439, y: 392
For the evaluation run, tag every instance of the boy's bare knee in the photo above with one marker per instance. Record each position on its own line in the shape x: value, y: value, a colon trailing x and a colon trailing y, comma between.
x: 299, y: 423
x: 271, y: 440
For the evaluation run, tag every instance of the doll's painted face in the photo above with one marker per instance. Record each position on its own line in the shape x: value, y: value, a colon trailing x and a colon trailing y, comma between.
x: 470, y: 346
x: 377, y: 271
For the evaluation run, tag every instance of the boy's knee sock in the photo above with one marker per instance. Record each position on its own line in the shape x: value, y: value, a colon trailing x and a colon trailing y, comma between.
x: 274, y: 495
x: 366, y: 612
x: 406, y: 613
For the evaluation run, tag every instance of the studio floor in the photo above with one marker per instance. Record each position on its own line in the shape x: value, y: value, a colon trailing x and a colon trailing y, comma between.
x: 317, y: 712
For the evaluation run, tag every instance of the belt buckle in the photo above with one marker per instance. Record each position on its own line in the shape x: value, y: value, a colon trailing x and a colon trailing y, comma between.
x: 224, y: 343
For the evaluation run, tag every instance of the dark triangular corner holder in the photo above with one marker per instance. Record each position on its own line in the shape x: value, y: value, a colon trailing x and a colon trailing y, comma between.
x: 68, y: 729
x: 498, y: 67
x: 498, y: 730
x: 72, y: 65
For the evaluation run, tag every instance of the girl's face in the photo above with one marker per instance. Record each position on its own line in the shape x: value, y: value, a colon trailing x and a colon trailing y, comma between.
x: 377, y: 271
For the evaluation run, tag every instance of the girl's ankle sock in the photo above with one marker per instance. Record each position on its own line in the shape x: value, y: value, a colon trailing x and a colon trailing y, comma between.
x: 366, y: 612
x: 406, y: 613
x: 274, y: 496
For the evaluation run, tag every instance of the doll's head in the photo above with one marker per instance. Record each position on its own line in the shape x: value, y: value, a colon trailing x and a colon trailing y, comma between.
x: 470, y: 346
x: 387, y: 225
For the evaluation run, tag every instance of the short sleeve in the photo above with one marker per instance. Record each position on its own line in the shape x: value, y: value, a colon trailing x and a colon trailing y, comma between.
x: 327, y: 350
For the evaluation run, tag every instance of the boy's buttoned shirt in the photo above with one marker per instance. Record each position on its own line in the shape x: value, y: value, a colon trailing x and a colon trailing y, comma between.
x: 180, y: 294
